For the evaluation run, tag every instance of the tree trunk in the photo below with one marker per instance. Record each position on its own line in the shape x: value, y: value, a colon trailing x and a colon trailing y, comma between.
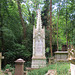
x: 66, y: 27
x: 51, y: 27
x: 22, y: 20
x: 58, y: 12
x: 1, y: 32
x: 57, y: 32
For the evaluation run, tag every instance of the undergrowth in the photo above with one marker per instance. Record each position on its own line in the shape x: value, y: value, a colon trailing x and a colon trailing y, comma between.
x: 61, y: 67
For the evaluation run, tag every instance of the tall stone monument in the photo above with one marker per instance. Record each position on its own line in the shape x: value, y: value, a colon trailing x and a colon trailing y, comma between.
x: 38, y: 58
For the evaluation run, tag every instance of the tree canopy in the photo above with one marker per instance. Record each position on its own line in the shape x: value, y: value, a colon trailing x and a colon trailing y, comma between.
x: 14, y: 17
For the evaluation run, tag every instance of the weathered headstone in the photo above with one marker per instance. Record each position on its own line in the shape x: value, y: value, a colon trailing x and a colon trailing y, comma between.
x: 38, y: 59
x: 71, y: 58
x: 19, y: 67
x: 1, y: 57
x: 61, y: 56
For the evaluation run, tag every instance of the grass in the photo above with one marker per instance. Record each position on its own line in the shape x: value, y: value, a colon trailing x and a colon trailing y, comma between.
x: 61, y: 67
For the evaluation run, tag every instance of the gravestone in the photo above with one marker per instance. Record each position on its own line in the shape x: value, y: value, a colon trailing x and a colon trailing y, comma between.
x: 1, y: 57
x: 71, y: 58
x: 61, y: 56
x: 38, y: 58
x: 19, y: 67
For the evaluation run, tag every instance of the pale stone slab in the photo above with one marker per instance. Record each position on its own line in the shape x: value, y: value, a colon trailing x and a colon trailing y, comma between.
x: 38, y: 63
x: 51, y: 72
x: 71, y: 58
x: 72, y: 66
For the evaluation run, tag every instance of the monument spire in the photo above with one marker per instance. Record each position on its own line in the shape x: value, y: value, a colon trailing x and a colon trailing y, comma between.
x: 39, y: 22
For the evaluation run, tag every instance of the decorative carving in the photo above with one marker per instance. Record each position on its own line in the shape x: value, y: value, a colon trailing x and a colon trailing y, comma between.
x: 39, y: 37
x: 71, y: 52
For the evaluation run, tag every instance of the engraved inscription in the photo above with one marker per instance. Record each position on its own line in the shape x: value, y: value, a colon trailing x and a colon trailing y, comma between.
x: 39, y: 46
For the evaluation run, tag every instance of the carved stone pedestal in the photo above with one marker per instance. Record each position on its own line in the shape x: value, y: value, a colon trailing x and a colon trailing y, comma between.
x: 38, y: 62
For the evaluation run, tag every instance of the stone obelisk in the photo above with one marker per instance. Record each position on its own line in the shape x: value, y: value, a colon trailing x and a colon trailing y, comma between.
x: 38, y: 58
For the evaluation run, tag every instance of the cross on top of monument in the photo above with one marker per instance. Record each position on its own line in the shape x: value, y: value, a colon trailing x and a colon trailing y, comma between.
x: 39, y: 22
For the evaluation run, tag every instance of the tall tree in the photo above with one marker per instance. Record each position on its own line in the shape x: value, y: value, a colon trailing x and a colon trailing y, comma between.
x: 57, y: 29
x: 66, y: 24
x: 45, y: 13
x: 51, y: 27
x: 22, y: 20
x: 58, y: 12
x: 1, y: 25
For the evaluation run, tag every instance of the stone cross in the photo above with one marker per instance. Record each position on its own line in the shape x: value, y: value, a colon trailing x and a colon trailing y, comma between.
x: 1, y: 57
x: 38, y: 44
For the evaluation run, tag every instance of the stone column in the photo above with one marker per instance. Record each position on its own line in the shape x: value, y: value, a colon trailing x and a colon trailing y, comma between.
x: 19, y: 67
x: 1, y: 57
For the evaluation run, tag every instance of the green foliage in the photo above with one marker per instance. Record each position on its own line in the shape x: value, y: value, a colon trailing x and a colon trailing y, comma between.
x: 62, y: 69
x: 8, y: 66
x: 14, y: 45
x: 45, y: 13
x: 47, y: 49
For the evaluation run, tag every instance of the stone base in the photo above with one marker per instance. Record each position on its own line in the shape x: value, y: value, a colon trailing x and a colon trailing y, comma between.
x: 60, y: 60
x: 38, y: 62
x: 61, y: 56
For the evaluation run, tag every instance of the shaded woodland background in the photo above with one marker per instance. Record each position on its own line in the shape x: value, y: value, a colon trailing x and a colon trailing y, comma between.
x: 17, y: 18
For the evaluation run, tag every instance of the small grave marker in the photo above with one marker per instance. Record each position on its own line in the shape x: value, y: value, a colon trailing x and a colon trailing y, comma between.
x: 1, y: 57
x: 61, y: 56
x: 19, y: 67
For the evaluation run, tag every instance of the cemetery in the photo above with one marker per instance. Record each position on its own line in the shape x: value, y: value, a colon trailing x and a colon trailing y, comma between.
x: 37, y: 37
